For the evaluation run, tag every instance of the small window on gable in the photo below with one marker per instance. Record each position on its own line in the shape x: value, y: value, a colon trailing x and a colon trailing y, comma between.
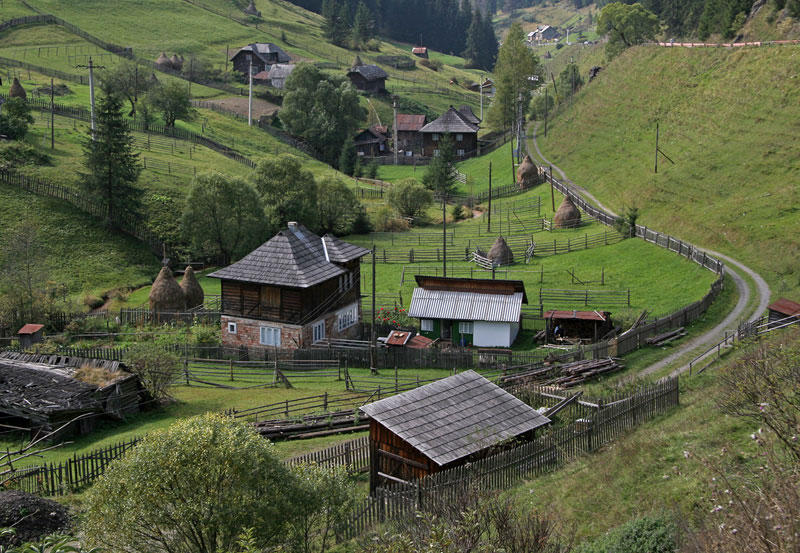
x: 435, y: 137
x: 232, y: 328
x: 436, y: 152
x: 459, y: 137
x: 426, y: 325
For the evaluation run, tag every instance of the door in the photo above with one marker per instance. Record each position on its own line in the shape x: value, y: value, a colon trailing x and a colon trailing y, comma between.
x: 447, y: 329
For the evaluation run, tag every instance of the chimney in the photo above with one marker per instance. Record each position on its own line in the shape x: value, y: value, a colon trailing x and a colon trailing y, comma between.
x: 292, y: 224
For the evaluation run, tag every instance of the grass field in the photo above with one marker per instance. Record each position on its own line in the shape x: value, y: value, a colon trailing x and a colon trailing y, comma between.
x: 727, y: 119
x: 13, y: 8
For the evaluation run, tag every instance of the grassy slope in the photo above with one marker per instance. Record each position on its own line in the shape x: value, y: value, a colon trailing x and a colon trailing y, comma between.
x: 80, y: 253
x: 729, y: 120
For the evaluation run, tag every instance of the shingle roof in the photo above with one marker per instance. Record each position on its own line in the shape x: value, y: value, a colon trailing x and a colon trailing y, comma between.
x: 262, y: 48
x: 451, y: 121
x: 294, y: 257
x: 373, y: 135
x: 465, y: 306
x: 469, y: 115
x: 410, y: 121
x: 369, y: 72
x: 454, y: 417
x: 281, y: 70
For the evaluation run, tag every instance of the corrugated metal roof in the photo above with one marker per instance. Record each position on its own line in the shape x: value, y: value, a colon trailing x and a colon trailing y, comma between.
x: 571, y: 315
x: 454, y: 417
x: 419, y: 342
x: 410, y: 121
x: 785, y: 307
x: 465, y: 306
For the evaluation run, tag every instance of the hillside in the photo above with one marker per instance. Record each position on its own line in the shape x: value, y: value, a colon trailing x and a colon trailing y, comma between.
x: 729, y: 121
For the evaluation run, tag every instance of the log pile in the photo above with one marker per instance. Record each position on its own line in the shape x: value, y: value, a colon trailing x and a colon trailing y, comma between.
x: 578, y: 372
x: 666, y: 337
x: 312, y: 426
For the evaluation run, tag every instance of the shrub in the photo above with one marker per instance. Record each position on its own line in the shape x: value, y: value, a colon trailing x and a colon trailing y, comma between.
x: 385, y: 221
x: 155, y: 367
x: 192, y: 488
x: 458, y: 212
x: 435, y: 65
x: 409, y: 197
x: 17, y: 154
x: 374, y: 45
x: 648, y: 534
x: 92, y: 302
x: 15, y: 118
x: 371, y: 170
x: 205, y: 335
x: 626, y: 223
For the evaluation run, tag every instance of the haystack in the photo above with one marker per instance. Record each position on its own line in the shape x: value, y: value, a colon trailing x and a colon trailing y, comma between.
x: 192, y: 290
x: 176, y: 62
x: 16, y: 90
x: 357, y: 62
x: 166, y: 294
x: 163, y: 61
x: 568, y: 215
x: 251, y: 9
x: 527, y: 173
x: 500, y: 253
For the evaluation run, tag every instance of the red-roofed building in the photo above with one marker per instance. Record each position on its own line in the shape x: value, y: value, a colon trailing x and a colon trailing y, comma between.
x: 30, y: 334
x: 420, y: 51
x: 577, y: 325
x: 409, y: 141
x: 398, y: 338
x: 783, y: 311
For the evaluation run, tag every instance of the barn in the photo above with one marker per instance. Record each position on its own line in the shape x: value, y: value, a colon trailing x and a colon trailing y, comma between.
x: 369, y: 78
x: 782, y: 312
x: 444, y: 424
x: 372, y: 142
x: 263, y: 55
x: 468, y: 312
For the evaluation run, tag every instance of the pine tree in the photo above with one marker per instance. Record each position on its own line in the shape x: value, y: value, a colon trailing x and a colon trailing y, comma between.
x: 362, y: 24
x: 111, y: 161
x: 440, y: 176
x: 516, y: 63
x: 488, y: 41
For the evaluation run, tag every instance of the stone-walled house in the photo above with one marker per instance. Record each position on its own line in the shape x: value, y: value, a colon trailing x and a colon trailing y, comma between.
x: 295, y: 289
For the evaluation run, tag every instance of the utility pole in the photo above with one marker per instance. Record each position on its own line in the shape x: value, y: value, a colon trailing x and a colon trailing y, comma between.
x: 52, y: 118
x: 394, y: 130
x: 552, y: 193
x: 444, y: 234
x: 656, y: 167
x: 250, y: 97
x: 480, y: 88
x: 572, y: 74
x: 489, y: 226
x: 372, y: 325
x: 546, y: 101
x: 91, y: 68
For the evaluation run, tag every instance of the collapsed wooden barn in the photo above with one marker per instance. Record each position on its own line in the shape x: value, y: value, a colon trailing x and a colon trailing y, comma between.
x: 444, y: 424
x: 41, y: 393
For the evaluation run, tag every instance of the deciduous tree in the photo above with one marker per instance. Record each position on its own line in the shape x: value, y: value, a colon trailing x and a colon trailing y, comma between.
x: 128, y: 79
x: 409, y: 197
x: 337, y: 206
x: 626, y: 25
x: 288, y: 192
x: 172, y: 100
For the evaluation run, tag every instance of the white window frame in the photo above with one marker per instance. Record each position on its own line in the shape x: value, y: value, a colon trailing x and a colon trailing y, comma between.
x: 318, y: 331
x: 459, y: 137
x: 232, y: 328
x: 435, y: 153
x: 347, y: 317
x: 435, y: 137
x: 426, y: 325
x: 269, y: 336
x: 465, y: 327
x: 460, y: 152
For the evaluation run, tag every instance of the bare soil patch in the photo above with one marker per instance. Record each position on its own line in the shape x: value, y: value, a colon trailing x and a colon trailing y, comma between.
x: 239, y: 105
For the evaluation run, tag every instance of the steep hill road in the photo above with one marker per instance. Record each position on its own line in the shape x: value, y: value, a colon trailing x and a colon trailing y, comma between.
x: 716, y: 334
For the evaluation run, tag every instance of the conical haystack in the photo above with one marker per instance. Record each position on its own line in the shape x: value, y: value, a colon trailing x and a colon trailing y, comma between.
x: 166, y: 294
x: 527, y: 173
x: 568, y: 215
x: 176, y: 62
x: 163, y: 61
x: 357, y: 62
x: 192, y: 290
x: 501, y: 254
x: 16, y: 90
x: 251, y: 9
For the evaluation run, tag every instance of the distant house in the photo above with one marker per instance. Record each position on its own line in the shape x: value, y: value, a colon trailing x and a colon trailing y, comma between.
x: 263, y: 54
x: 469, y: 312
x: 409, y: 140
x: 295, y: 289
x: 369, y: 78
x: 278, y: 74
x: 783, y: 311
x: 578, y: 325
x: 30, y: 334
x: 463, y: 132
x: 442, y: 425
x: 420, y: 51
x: 543, y: 33
x: 372, y: 142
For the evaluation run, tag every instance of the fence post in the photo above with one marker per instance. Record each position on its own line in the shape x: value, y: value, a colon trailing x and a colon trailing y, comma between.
x: 186, y: 371
x: 230, y: 365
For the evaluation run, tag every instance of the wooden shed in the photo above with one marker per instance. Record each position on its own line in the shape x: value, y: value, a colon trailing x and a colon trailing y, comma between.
x: 30, y: 334
x: 444, y: 424
x: 782, y: 312
x: 577, y: 325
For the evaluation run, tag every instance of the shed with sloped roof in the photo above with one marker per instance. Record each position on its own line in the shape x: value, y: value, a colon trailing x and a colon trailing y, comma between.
x: 369, y: 78
x: 295, y: 289
x: 444, y: 424
x: 409, y: 140
x: 462, y: 131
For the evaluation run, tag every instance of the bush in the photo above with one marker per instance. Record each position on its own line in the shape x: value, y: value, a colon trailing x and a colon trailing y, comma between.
x: 374, y: 45
x: 205, y: 335
x: 155, y: 367
x: 435, y: 65
x: 385, y: 221
x: 92, y: 302
x: 192, y: 488
x: 15, y: 118
x: 409, y: 197
x: 458, y: 212
x: 626, y: 224
x: 17, y: 154
x: 648, y: 534
x: 371, y: 170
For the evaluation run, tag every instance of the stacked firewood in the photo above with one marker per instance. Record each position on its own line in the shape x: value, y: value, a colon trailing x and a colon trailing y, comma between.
x: 578, y: 372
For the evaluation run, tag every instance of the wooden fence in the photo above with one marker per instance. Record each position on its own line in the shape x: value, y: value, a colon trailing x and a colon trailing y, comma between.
x: 353, y: 454
x: 597, y: 298
x: 503, y: 470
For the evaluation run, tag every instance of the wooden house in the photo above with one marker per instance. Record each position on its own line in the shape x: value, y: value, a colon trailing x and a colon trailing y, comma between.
x: 577, y: 325
x: 420, y: 51
x: 409, y: 140
x: 30, y: 334
x: 783, y: 312
x: 295, y: 289
x: 467, y: 311
x: 462, y: 131
x: 42, y: 393
x: 369, y: 78
x: 444, y: 424
x: 278, y: 74
x: 263, y: 55
x: 372, y: 142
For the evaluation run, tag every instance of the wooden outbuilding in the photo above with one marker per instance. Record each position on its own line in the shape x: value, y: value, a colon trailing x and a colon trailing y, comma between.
x: 409, y: 140
x: 420, y: 51
x: 372, y: 142
x: 444, y: 424
x: 30, y: 334
x: 783, y: 311
x: 463, y: 132
x: 577, y: 325
x: 295, y: 289
x: 369, y: 78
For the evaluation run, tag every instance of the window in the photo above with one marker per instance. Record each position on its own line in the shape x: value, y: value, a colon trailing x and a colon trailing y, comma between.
x: 318, y: 331
x: 270, y: 296
x: 459, y: 137
x: 436, y: 152
x: 382, y: 147
x: 409, y: 153
x: 435, y: 137
x: 465, y: 327
x: 460, y: 152
x: 347, y: 317
x: 270, y: 336
x: 231, y: 328
x: 426, y: 325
